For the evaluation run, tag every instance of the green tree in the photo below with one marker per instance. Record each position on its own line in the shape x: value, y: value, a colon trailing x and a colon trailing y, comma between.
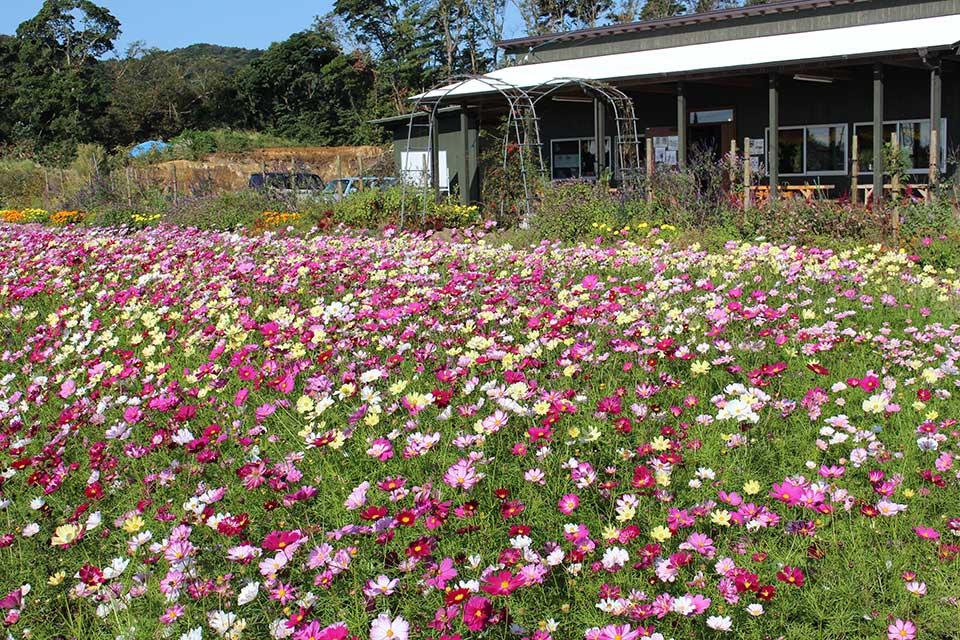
x: 61, y: 87
x: 305, y: 88
x: 405, y: 40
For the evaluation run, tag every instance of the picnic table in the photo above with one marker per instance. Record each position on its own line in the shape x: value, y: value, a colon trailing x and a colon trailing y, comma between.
x: 807, y: 191
x: 867, y: 189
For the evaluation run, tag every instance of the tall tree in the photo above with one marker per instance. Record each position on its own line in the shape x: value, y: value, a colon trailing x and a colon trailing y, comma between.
x: 305, y: 88
x: 404, y: 39
x: 549, y: 16
x: 61, y: 88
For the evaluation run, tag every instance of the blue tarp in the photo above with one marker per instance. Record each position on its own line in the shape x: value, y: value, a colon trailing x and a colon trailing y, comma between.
x: 146, y: 147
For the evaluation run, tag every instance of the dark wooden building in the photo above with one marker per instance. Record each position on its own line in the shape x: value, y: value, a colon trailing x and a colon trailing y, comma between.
x: 789, y: 83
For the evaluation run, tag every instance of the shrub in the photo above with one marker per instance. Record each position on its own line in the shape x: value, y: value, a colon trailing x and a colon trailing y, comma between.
x: 227, y: 211
x: 21, y: 183
x: 568, y: 210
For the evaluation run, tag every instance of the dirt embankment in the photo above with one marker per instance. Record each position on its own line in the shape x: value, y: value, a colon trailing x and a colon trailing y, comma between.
x: 224, y: 172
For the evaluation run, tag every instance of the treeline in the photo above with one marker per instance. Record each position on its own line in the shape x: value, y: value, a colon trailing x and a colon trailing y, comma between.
x: 62, y: 83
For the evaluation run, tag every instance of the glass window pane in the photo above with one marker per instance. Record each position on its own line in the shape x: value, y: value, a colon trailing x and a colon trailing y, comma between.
x: 566, y: 159
x: 864, y: 134
x: 826, y: 149
x: 712, y: 116
x: 588, y: 158
x: 791, y: 151
x: 915, y: 142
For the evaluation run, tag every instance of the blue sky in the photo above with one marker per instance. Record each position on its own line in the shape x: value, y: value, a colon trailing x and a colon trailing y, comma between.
x: 168, y: 24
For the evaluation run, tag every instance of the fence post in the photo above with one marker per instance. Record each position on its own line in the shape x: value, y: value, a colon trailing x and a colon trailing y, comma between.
x: 175, y: 194
x: 129, y: 192
x: 733, y: 164
x: 360, y: 170
x: 650, y: 165
x: 339, y: 175
x: 855, y: 171
x: 747, y: 179
x: 46, y: 189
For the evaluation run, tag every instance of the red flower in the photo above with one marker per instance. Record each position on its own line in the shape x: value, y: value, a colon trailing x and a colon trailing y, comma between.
x: 818, y: 369
x: 791, y: 575
x: 512, y: 508
x: 406, y: 518
x: 374, y: 513
x: 456, y: 596
x: 766, y: 592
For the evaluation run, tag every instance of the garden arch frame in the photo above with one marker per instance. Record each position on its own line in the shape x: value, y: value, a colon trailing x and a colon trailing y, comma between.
x: 522, y: 123
x: 627, y: 142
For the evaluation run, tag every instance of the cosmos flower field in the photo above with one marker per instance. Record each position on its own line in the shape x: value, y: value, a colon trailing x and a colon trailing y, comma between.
x: 210, y: 434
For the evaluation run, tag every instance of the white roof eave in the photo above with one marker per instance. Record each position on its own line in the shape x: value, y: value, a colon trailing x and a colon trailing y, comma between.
x: 828, y: 44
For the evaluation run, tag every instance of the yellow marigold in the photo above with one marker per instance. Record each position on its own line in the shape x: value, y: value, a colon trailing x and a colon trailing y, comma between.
x: 9, y: 215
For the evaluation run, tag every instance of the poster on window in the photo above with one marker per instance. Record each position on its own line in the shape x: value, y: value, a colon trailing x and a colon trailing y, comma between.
x: 756, y: 146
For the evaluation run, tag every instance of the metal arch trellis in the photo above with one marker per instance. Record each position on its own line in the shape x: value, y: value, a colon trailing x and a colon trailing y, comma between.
x: 522, y: 122
x: 628, y: 141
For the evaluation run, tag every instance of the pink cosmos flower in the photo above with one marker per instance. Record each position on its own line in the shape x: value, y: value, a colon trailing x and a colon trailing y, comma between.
x: 927, y: 533
x: 787, y: 492
x: 618, y: 632
x: 568, y: 503
x: 901, y: 630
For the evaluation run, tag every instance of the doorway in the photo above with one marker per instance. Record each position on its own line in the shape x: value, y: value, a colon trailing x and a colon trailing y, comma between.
x: 711, y: 131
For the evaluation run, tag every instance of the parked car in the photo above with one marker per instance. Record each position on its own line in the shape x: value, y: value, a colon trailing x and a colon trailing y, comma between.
x: 306, y: 185
x: 340, y: 187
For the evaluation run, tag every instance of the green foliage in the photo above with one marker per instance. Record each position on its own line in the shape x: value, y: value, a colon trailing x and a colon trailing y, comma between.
x: 571, y: 210
x: 227, y: 211
x: 809, y: 221
x: 306, y: 88
x: 194, y: 145
x: 21, y: 183
x: 61, y: 88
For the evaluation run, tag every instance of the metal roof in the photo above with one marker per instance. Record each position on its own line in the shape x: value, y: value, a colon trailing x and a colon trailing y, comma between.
x: 839, y: 44
x: 771, y: 8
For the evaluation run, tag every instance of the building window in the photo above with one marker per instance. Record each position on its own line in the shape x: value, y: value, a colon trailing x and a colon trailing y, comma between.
x: 812, y: 150
x: 572, y: 158
x: 914, y: 137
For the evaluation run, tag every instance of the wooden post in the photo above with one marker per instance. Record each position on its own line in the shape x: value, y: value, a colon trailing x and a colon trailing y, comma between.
x: 175, y: 187
x: 360, y: 170
x: 46, y: 189
x: 773, y: 152
x: 934, y: 169
x: 465, y: 144
x: 855, y: 171
x: 681, y: 126
x: 936, y: 111
x: 129, y: 192
x: 877, y: 134
x: 599, y: 135
x: 435, y: 155
x: 63, y: 182
x: 339, y: 175
x: 733, y: 164
x: 747, y: 178
x: 650, y: 165
x: 895, y: 152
